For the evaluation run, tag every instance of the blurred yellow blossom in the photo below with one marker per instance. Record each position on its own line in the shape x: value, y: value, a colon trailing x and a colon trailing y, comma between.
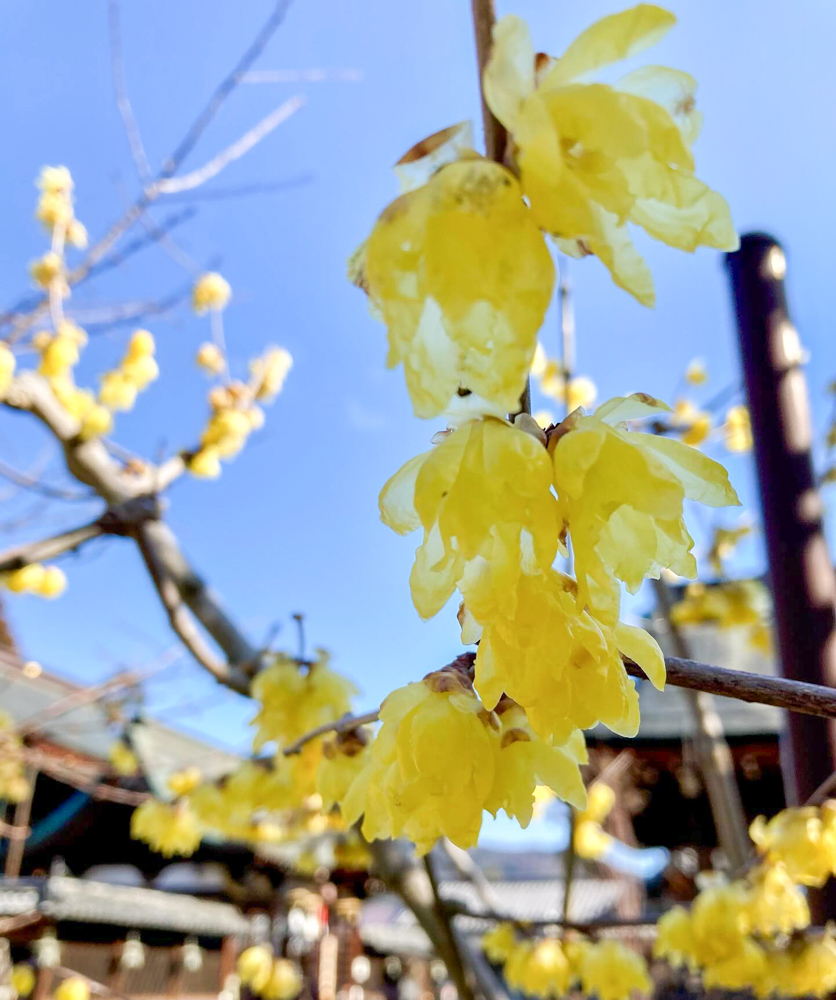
x: 738, y: 429
x: 211, y: 292
x: 696, y: 373
x: 123, y: 759
x: 210, y: 358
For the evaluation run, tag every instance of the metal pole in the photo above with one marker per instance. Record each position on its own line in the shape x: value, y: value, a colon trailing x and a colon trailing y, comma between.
x: 801, y: 574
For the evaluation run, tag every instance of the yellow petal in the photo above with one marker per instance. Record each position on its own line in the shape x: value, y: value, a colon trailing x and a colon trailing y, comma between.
x: 702, y: 478
x: 671, y: 88
x: 415, y: 168
x: 397, y: 498
x: 509, y: 75
x: 641, y: 647
x: 609, y: 40
x: 632, y: 407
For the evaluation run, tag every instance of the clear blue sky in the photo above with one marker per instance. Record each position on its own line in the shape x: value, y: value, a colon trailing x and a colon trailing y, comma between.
x: 293, y: 523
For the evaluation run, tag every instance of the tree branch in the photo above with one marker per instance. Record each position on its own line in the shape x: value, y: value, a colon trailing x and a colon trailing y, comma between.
x: 342, y: 725
x: 239, y: 148
x: 184, y: 594
x: 121, y: 519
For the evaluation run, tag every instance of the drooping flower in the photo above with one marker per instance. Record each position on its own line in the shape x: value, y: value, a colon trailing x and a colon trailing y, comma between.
x: 560, y: 662
x: 431, y: 767
x: 499, y: 942
x: 482, y: 496
x: 612, y: 971
x: 594, y: 157
x: 343, y: 757
x: 622, y: 495
x: 294, y: 700
x: 168, y: 829
x: 461, y: 275
x: 525, y: 761
x: 254, y: 967
x: 802, y: 839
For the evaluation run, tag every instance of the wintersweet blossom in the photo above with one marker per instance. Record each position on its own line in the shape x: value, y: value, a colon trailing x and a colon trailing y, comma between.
x: 594, y: 157
x: 447, y: 263
x: 482, y: 497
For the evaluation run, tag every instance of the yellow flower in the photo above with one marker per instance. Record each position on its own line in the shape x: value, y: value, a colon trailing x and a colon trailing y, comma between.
x: 46, y: 269
x: 210, y: 359
x: 167, y: 829
x: 269, y: 372
x: 54, y: 209
x: 117, y: 392
x: 74, y: 988
x: 285, y: 981
x: 540, y: 969
x: 738, y: 429
x: 431, y: 767
x: 525, y: 761
x: 141, y: 344
x: 802, y: 839
x: 76, y: 234
x: 613, y: 971
x: 98, y: 420
x: 590, y: 840
x: 559, y: 662
x: 211, y: 291
x: 343, y: 757
x: 23, y: 979
x: 123, y: 759
x: 7, y: 368
x: 58, y: 355
x: 55, y: 180
x: 205, y: 463
x: 295, y: 701
x: 254, y: 967
x: 698, y: 431
x: 53, y: 583
x: 808, y: 969
x: 740, y: 970
x: 185, y: 781
x: 594, y: 157
x: 776, y: 904
x: 696, y: 373
x: 622, y: 494
x: 499, y: 942
x: 27, y: 579
x: 444, y: 264
x: 482, y: 497
x: 724, y: 543
x: 675, y: 938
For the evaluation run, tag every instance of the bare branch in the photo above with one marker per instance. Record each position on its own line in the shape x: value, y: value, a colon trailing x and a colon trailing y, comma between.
x: 120, y: 89
x: 585, y: 927
x: 795, y: 696
x: 183, y: 595
x: 342, y: 725
x: 496, y: 138
x: 243, y: 190
x: 226, y: 87
x: 27, y: 482
x: 301, y: 75
x: 239, y: 148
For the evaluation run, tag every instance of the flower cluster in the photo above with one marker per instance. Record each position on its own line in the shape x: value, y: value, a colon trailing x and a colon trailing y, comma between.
x: 730, y: 604
x: 35, y: 578
x: 268, y: 977
x: 13, y: 784
x: 167, y: 828
x: 748, y: 934
x: 457, y: 267
x: 550, y: 968
x: 441, y: 758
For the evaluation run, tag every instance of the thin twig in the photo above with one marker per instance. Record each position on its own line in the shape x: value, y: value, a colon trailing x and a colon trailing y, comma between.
x: 496, y: 138
x: 27, y: 482
x: 342, y: 725
x: 233, y: 152
x: 226, y: 87
x: 120, y: 89
x: 585, y: 927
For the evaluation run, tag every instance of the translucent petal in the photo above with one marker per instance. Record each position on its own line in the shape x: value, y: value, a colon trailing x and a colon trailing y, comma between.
x: 609, y: 40
x: 509, y: 74
x: 640, y: 646
x: 702, y: 478
x: 397, y: 498
x: 416, y: 167
x: 632, y: 407
x: 671, y: 88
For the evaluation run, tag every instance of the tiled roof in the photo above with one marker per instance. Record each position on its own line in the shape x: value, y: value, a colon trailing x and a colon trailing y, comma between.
x: 61, y: 898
